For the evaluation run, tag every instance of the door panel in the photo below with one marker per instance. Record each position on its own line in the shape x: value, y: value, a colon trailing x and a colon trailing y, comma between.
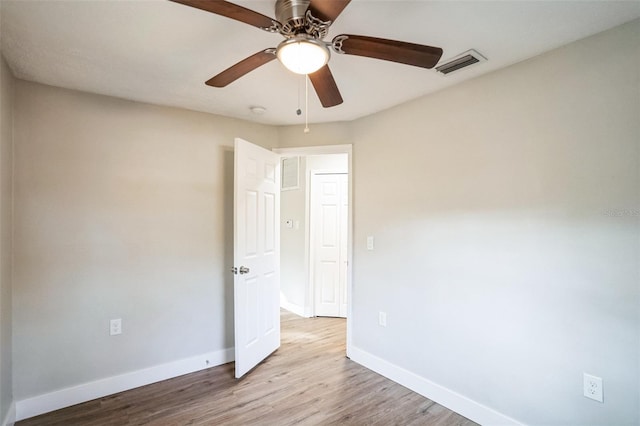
x: 256, y: 255
x: 329, y: 243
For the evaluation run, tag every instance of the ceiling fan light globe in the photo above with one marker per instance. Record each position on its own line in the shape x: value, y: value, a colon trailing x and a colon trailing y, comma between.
x: 303, y: 55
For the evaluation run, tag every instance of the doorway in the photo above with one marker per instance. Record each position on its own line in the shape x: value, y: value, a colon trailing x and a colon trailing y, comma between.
x: 299, y: 289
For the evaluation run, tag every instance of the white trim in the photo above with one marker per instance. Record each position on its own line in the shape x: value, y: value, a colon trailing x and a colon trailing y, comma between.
x: 309, y: 301
x: 87, y: 391
x: 454, y: 401
x: 315, y: 150
x: 292, y: 307
x: 10, y: 418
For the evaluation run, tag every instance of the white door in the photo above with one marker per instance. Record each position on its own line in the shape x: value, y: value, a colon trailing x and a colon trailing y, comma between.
x: 256, y: 254
x: 329, y: 212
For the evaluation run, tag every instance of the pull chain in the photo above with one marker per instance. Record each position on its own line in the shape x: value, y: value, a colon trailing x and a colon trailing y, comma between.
x: 299, y: 111
x: 306, y: 105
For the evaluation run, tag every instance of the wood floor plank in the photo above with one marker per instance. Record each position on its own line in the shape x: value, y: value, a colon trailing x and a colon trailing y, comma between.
x: 308, y: 381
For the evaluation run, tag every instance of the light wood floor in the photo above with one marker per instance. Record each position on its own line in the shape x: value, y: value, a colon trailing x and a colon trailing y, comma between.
x: 308, y: 381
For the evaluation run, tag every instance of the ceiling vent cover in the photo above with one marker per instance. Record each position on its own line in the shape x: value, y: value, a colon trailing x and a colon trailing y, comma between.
x: 464, y: 60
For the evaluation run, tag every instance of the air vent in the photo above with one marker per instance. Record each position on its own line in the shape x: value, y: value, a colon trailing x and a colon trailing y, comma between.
x: 290, y: 175
x: 464, y: 60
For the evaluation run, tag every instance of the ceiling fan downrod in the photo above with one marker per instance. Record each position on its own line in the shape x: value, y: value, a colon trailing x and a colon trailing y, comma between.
x: 295, y: 18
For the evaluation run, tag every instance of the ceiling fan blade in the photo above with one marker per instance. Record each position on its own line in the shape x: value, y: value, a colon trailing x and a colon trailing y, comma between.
x: 230, y: 10
x: 326, y: 87
x: 236, y: 71
x: 390, y: 50
x: 327, y: 10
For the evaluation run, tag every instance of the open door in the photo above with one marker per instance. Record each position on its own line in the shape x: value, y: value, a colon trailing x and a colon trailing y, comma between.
x: 256, y: 254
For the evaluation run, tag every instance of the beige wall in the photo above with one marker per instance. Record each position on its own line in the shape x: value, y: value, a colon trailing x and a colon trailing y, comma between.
x: 293, y: 262
x: 319, y: 134
x: 123, y: 210
x: 504, y: 257
x: 6, y: 177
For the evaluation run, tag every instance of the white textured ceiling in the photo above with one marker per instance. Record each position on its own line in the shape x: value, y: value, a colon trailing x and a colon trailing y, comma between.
x: 162, y: 53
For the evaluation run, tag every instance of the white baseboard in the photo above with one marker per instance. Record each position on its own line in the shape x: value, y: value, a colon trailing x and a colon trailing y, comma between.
x: 87, y: 391
x: 435, y: 392
x: 10, y: 418
x: 292, y: 307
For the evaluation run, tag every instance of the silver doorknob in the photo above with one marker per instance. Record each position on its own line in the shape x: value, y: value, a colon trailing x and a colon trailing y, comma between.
x: 244, y: 270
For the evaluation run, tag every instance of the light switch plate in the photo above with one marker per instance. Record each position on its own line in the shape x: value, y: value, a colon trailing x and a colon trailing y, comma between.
x: 382, y: 319
x: 370, y: 242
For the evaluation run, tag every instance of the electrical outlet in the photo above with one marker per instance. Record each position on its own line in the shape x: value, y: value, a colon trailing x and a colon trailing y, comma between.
x: 593, y: 387
x: 115, y: 326
x: 382, y: 319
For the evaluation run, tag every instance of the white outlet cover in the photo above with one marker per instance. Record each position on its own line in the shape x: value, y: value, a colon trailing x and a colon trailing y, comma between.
x: 115, y: 327
x: 593, y: 387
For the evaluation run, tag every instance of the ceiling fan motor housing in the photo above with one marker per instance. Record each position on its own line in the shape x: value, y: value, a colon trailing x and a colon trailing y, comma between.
x: 291, y: 15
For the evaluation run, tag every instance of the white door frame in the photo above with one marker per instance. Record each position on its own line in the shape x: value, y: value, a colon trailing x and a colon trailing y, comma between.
x: 324, y: 150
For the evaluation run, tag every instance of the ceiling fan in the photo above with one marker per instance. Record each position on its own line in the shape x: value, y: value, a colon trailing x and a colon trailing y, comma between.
x: 304, y: 24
